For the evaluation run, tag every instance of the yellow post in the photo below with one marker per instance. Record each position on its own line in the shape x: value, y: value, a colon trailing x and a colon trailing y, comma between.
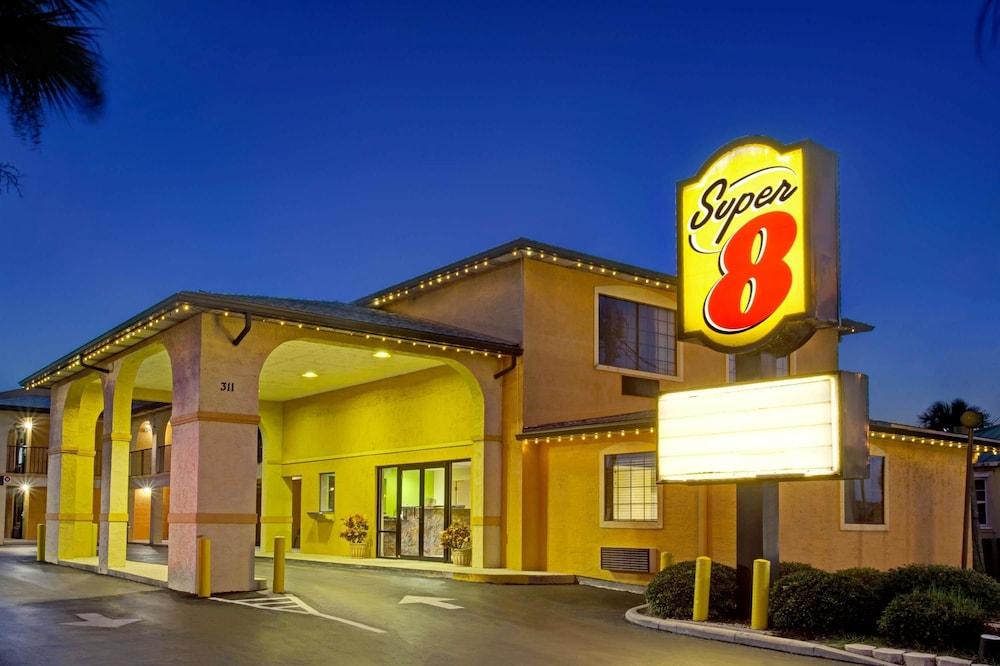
x: 41, y: 542
x: 702, y: 583
x: 278, y: 585
x: 204, y: 567
x: 761, y: 585
x: 666, y: 559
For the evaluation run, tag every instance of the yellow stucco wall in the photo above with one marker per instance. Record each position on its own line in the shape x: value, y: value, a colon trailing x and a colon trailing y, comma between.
x: 421, y: 417
x: 924, y: 490
x: 561, y: 381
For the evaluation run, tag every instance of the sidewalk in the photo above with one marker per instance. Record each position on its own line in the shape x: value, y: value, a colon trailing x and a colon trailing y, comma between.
x: 433, y: 569
x: 139, y: 572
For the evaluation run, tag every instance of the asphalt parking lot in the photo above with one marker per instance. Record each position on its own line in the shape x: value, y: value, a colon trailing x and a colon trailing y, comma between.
x: 56, y: 615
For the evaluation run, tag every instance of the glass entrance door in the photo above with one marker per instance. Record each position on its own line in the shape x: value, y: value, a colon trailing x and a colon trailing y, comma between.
x: 415, y: 505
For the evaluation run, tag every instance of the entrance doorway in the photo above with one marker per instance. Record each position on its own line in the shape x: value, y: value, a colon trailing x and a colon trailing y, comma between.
x: 17, y: 525
x: 416, y: 502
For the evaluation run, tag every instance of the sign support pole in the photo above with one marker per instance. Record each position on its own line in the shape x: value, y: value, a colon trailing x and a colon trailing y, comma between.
x: 757, y: 516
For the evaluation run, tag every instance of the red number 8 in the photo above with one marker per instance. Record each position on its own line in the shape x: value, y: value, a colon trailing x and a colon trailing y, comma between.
x: 767, y: 274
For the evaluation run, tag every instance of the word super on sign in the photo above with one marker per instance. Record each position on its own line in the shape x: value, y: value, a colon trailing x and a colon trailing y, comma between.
x: 757, y: 246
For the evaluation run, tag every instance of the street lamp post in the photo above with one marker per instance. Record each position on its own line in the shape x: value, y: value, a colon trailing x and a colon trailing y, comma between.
x: 970, y: 517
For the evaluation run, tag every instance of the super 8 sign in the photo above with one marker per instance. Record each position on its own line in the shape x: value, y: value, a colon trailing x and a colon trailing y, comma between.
x: 757, y: 247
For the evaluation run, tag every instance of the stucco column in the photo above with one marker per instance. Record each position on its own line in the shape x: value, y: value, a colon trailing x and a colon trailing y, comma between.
x: 70, y: 487
x: 131, y: 512
x: 213, y: 494
x: 486, y: 500
x: 275, y: 494
x: 213, y: 478
x: 114, y: 501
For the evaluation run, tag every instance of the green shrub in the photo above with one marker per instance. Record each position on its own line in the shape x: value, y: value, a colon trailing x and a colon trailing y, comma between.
x: 875, y: 581
x: 933, y: 619
x: 671, y: 592
x: 972, y: 585
x: 788, y: 568
x: 817, y: 602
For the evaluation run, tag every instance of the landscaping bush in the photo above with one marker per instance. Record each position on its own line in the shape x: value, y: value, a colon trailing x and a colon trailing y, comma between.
x: 815, y: 602
x: 671, y: 592
x: 972, y: 585
x: 876, y: 582
x: 933, y: 619
x: 788, y: 568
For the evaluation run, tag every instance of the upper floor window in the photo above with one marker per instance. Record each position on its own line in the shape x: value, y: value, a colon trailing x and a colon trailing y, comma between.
x: 636, y: 336
x: 630, y: 491
x: 864, y: 499
x: 981, y: 501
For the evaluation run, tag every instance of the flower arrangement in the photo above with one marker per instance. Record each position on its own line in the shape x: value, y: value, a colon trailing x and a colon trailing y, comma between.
x: 457, y: 536
x: 355, y: 529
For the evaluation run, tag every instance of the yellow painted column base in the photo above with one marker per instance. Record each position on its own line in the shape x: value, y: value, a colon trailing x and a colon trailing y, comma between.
x: 271, y: 528
x: 76, y: 538
x: 113, y: 544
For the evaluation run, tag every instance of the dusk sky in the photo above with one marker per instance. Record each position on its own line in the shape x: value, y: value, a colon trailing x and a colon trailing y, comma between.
x: 324, y: 150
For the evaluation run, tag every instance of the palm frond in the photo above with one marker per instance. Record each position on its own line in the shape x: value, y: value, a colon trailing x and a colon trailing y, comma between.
x: 48, y: 62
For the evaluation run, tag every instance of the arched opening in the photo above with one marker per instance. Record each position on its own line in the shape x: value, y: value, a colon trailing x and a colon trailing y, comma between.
x: 366, y: 430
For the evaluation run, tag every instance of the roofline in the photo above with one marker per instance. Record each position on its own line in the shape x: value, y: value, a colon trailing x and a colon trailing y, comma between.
x: 185, y: 304
x: 645, y: 420
x: 24, y: 410
x: 518, y: 248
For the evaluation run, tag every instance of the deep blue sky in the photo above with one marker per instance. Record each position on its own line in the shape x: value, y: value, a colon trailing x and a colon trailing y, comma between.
x: 323, y: 150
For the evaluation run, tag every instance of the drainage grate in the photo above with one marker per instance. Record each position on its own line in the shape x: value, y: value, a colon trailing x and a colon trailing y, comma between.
x: 633, y: 560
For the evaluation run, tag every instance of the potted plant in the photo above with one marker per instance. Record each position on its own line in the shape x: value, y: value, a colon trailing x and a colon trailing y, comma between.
x: 356, y: 533
x: 458, y: 539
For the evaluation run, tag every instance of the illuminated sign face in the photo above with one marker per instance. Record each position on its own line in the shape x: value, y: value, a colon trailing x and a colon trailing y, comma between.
x: 744, y: 247
x: 802, y: 427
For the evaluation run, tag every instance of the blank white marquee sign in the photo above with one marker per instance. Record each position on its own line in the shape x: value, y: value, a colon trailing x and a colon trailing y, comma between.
x: 814, y: 426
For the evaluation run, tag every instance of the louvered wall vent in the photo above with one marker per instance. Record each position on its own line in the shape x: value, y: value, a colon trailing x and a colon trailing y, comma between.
x: 633, y: 560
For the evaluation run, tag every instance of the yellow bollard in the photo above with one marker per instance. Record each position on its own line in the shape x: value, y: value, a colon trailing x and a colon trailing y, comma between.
x: 666, y: 560
x: 278, y: 584
x: 702, y: 583
x: 204, y: 567
x: 761, y: 585
x: 41, y: 542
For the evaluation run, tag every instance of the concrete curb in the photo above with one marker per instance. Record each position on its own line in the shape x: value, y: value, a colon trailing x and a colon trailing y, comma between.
x: 502, y: 578
x: 748, y: 637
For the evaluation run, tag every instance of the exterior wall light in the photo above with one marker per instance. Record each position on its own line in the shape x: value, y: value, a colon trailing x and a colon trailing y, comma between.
x: 28, y: 423
x: 25, y: 488
x: 146, y: 491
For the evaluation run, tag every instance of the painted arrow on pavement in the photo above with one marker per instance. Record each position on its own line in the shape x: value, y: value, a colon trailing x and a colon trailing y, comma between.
x: 437, y: 602
x: 98, y: 620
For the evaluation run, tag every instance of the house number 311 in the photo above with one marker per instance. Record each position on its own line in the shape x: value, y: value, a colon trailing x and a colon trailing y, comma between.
x: 228, y: 387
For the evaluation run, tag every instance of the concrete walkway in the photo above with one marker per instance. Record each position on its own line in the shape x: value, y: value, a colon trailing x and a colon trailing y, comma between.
x: 434, y: 569
x: 139, y: 572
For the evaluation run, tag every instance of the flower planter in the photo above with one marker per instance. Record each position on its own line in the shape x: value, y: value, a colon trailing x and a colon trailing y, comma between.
x: 359, y: 550
x: 461, y: 557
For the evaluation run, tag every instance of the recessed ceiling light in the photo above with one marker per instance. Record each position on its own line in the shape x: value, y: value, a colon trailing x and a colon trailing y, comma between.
x: 381, y: 353
x: 309, y: 374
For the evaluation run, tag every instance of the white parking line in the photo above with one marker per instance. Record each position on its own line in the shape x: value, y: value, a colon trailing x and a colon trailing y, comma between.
x: 289, y: 603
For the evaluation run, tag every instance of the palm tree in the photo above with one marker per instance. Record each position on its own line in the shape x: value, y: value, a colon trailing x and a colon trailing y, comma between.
x: 947, y: 416
x: 49, y: 62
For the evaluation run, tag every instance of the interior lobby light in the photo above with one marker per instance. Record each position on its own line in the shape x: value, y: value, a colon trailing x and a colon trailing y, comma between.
x: 147, y: 490
x: 28, y: 424
x: 25, y: 488
x: 381, y: 353
x: 309, y: 374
